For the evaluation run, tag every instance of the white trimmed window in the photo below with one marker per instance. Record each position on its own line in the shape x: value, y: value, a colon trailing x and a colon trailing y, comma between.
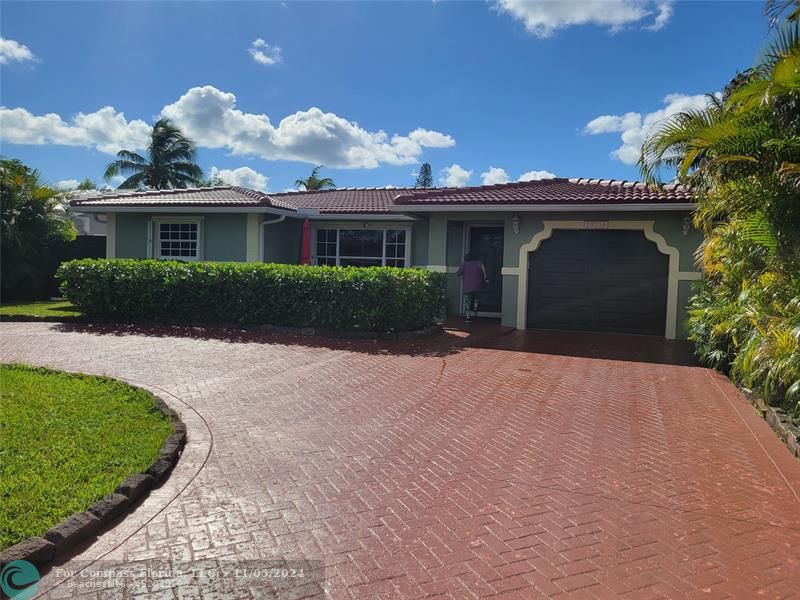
x: 366, y: 247
x: 177, y: 239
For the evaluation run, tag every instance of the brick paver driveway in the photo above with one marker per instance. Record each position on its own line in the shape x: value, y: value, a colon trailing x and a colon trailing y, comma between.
x: 455, y: 467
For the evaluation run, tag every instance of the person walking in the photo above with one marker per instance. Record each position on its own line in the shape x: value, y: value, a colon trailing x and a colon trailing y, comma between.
x: 473, y: 278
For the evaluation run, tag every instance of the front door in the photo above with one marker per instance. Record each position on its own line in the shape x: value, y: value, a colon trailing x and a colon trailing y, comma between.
x: 486, y: 242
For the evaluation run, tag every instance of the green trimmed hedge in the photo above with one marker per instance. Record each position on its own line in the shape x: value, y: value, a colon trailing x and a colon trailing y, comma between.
x: 377, y: 299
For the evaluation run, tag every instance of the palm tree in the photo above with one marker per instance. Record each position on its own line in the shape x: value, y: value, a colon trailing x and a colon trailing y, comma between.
x: 742, y: 148
x: 312, y: 182
x: 169, y: 163
x: 740, y: 155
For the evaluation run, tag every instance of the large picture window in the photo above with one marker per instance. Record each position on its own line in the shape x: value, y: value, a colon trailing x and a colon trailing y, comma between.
x: 368, y: 247
x: 178, y: 240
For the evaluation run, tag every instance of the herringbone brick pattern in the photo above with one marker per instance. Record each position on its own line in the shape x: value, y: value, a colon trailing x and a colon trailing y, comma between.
x: 455, y: 467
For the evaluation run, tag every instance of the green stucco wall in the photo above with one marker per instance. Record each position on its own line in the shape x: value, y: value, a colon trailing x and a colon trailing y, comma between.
x: 419, y: 243
x: 131, y: 235
x: 685, y: 292
x: 282, y: 241
x: 223, y: 235
x: 437, y: 242
x: 446, y: 247
x: 668, y: 224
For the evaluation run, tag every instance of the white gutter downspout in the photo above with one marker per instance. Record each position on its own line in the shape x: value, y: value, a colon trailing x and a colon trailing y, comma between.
x: 261, y: 237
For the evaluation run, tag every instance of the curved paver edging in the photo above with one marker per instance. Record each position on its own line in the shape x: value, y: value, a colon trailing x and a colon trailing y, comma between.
x: 779, y: 420
x: 61, y: 538
x: 306, y: 331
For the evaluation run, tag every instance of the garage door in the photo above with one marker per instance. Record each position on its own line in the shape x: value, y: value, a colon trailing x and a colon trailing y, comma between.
x: 613, y: 281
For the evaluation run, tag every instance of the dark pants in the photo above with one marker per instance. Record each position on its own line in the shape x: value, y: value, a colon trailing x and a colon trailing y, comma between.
x: 471, y: 302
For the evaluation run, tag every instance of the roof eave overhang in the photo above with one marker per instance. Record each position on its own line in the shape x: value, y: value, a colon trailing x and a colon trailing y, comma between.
x: 673, y: 206
x: 354, y: 216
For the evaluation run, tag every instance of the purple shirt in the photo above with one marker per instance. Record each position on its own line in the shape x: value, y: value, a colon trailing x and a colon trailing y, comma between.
x: 472, y: 274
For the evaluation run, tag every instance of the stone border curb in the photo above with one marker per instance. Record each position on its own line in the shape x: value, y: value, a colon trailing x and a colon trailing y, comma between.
x: 64, y: 536
x: 304, y: 331
x: 779, y: 420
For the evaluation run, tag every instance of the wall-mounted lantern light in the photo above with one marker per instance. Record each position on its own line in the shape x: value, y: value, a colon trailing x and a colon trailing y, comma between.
x: 515, y: 224
x: 687, y: 224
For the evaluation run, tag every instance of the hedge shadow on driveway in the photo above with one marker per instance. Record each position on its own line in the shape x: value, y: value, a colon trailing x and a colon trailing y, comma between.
x: 455, y: 338
x: 440, y: 345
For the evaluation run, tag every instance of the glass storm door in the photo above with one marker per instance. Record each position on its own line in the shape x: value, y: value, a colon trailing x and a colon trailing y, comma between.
x: 486, y: 241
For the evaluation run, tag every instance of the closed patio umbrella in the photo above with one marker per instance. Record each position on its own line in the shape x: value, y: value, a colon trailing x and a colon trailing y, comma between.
x: 305, y: 244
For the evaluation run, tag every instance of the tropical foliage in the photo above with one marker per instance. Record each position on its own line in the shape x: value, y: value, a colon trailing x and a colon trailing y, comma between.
x: 170, y: 161
x: 740, y: 155
x: 214, y: 181
x: 32, y: 220
x: 314, y: 182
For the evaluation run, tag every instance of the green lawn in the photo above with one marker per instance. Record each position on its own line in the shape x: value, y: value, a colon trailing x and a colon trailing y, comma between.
x: 67, y: 441
x: 47, y: 308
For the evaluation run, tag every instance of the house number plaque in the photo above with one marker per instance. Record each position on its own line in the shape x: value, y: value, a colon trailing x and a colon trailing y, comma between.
x: 595, y: 224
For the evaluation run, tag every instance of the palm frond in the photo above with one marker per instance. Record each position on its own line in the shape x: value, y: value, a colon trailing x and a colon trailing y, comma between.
x: 132, y: 157
x: 133, y: 182
x: 776, y: 10
x: 757, y: 229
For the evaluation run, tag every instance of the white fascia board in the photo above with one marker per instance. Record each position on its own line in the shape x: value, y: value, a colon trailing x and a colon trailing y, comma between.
x: 362, y: 217
x: 189, y: 209
x: 683, y: 206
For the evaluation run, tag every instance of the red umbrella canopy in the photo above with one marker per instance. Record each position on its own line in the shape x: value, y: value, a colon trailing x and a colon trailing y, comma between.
x: 305, y: 243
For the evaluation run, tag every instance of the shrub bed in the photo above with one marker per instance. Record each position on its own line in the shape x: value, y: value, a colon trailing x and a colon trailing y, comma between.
x: 378, y: 299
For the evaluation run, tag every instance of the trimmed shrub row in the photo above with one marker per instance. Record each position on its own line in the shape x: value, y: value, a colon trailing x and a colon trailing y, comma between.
x: 376, y: 299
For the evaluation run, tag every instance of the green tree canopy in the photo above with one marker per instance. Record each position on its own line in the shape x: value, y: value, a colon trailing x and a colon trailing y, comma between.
x: 314, y: 182
x: 425, y: 176
x: 214, y: 181
x: 170, y: 161
x: 31, y: 219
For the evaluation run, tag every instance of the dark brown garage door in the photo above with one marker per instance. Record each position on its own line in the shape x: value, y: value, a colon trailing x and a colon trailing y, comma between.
x: 613, y: 281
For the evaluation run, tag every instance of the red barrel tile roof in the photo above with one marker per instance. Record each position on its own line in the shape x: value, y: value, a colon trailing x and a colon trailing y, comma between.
x: 382, y: 200
x: 223, y: 196
x: 344, y: 200
x: 550, y: 191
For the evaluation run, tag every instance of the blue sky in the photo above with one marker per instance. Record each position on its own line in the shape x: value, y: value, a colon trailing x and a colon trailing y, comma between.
x: 370, y: 89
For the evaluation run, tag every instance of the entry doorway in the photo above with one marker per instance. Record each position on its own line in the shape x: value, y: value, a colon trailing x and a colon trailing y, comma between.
x: 486, y: 241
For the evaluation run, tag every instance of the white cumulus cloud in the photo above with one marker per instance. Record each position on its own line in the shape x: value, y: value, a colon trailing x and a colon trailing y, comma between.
x: 544, y: 17
x: 634, y: 127
x: 211, y: 119
x: 265, y: 54
x: 12, y: 51
x: 243, y: 177
x: 455, y: 176
x: 106, y: 129
x: 536, y: 176
x: 494, y: 175
x: 67, y: 184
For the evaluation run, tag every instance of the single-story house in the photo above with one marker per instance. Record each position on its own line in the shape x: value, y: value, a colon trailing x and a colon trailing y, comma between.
x: 578, y: 254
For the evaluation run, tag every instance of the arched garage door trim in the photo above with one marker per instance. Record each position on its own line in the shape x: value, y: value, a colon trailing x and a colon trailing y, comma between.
x: 644, y: 226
